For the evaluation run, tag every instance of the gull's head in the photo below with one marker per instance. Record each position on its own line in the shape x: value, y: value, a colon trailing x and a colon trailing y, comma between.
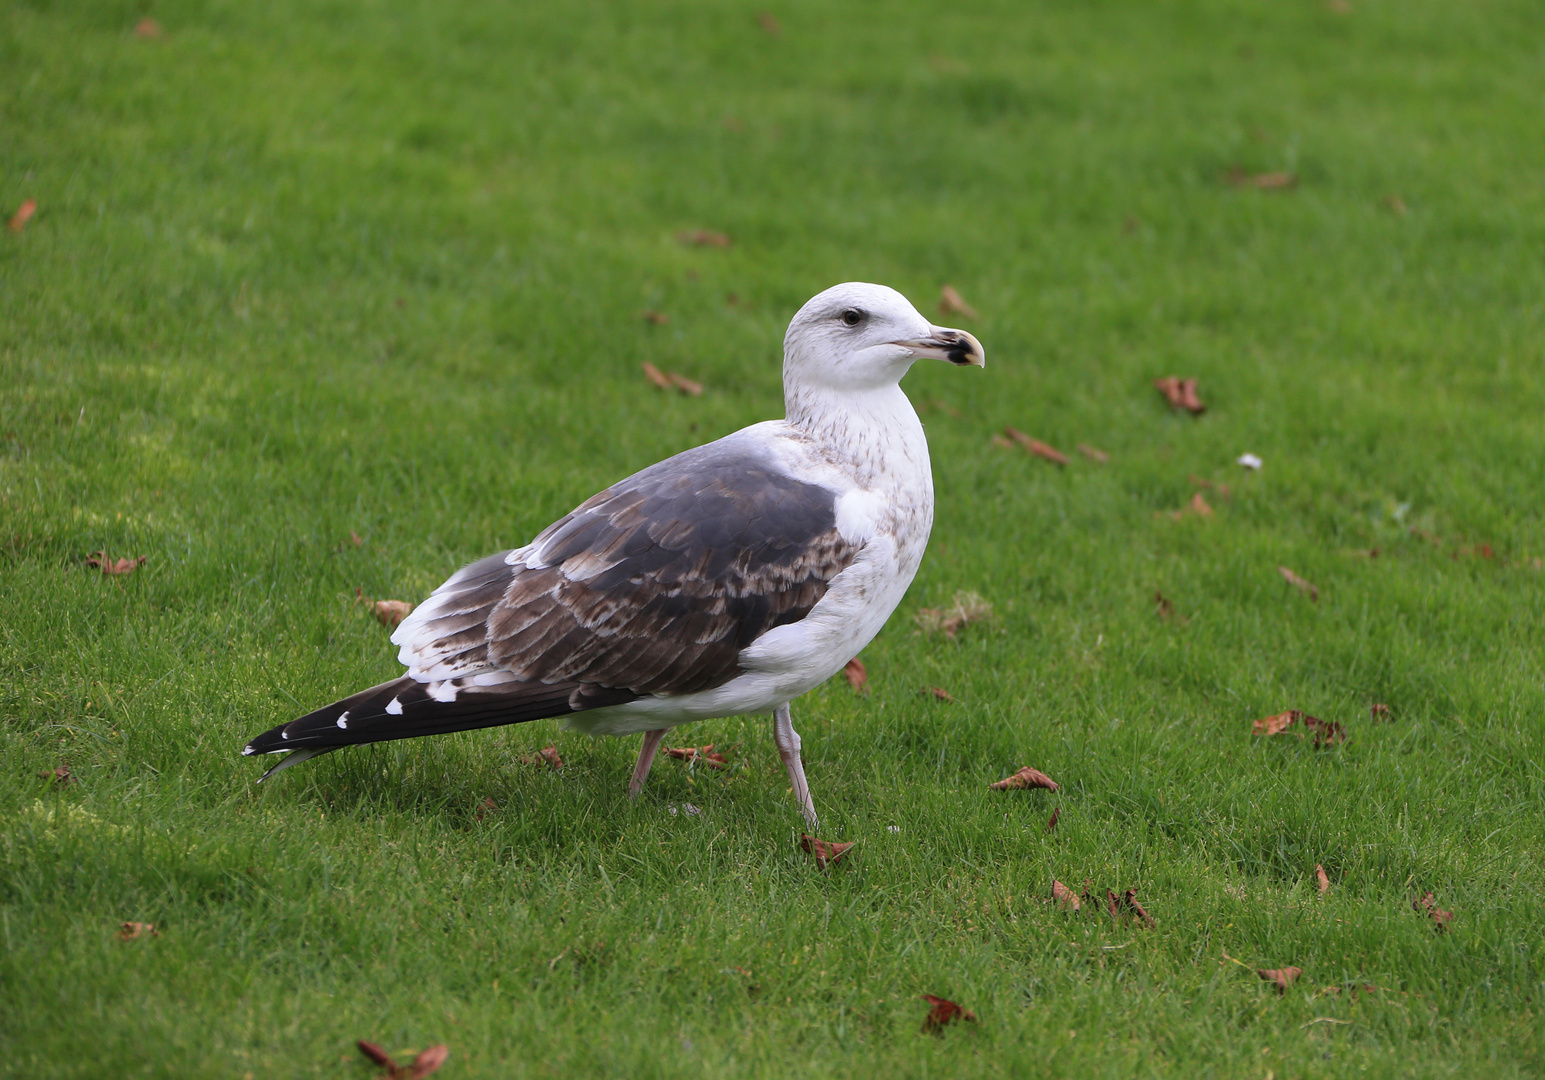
x: 859, y: 336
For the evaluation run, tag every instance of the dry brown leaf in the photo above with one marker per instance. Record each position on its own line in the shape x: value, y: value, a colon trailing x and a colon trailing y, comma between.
x: 967, y: 607
x: 391, y: 612
x: 427, y: 1062
x: 1111, y: 904
x: 23, y: 214
x: 1321, y: 879
x: 1283, y: 977
x: 670, y: 380
x: 659, y: 318
x: 703, y: 238
x: 111, y: 566
x: 938, y: 693
x: 1051, y: 822
x: 1396, y: 204
x: 1036, y: 446
x: 354, y: 536
x: 857, y: 674
x: 952, y: 303
x: 147, y: 28
x: 1199, y: 506
x: 1211, y: 485
x: 656, y: 376
x: 550, y: 756
x: 1165, y: 608
x: 1066, y: 899
x: 942, y: 1012
x: 690, y: 387
x: 1325, y: 731
x: 695, y: 753
x: 1299, y: 583
x: 130, y: 930
x: 1129, y: 903
x: 828, y: 853
x: 59, y: 774
x: 1026, y: 777
x: 376, y: 1054
x: 484, y: 808
x: 767, y: 22
x: 1180, y: 393
x: 1276, y: 725
x: 1379, y: 712
x: 1427, y: 905
x: 1267, y: 181
x: 1093, y: 453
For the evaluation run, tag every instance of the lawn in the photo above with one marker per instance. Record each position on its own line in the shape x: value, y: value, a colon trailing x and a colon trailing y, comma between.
x: 324, y: 300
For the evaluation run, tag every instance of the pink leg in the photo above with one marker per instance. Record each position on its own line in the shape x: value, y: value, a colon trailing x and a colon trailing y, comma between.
x: 645, y: 760
x: 787, y: 740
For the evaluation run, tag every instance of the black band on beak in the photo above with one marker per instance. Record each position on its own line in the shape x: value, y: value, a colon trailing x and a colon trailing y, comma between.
x: 956, y: 346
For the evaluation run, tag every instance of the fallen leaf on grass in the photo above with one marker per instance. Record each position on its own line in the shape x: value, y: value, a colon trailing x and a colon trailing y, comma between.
x: 1321, y: 879
x: 952, y: 303
x: 1093, y: 453
x: 1199, y: 506
x: 1276, y: 725
x: 942, y: 1012
x: 1051, y: 822
x: 130, y: 930
x: 1129, y: 903
x: 391, y: 612
x: 1165, y: 608
x: 147, y: 28
x: 670, y: 380
x: 23, y: 214
x: 857, y: 674
x: 484, y: 808
x: 827, y: 853
x: 941, y: 694
x: 1112, y: 904
x: 659, y: 318
x: 1325, y: 731
x: 767, y: 22
x: 112, y: 566
x: 1379, y: 712
x: 693, y: 753
x: 1180, y: 393
x: 1299, y: 583
x: 703, y: 238
x: 967, y: 607
x: 1267, y: 181
x: 1026, y: 777
x: 1036, y: 446
x: 59, y: 774
x: 1211, y: 485
x: 421, y: 1066
x: 1427, y: 905
x: 1066, y: 899
x: 1283, y: 977
x: 547, y: 756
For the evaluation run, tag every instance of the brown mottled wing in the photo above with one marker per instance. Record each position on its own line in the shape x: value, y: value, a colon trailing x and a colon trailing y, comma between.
x: 655, y: 585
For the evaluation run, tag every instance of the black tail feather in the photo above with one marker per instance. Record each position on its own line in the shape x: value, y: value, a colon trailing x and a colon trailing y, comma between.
x: 404, y: 709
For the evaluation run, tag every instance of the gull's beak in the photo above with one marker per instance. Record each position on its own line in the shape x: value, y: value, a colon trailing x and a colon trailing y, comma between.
x: 956, y: 346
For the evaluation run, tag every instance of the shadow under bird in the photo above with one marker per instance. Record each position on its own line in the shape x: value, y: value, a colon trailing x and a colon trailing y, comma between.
x: 726, y: 580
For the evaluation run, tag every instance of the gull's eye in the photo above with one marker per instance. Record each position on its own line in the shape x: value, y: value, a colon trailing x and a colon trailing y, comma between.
x: 852, y: 317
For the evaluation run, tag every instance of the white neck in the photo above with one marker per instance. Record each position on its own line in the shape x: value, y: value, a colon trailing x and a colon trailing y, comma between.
x: 873, y: 432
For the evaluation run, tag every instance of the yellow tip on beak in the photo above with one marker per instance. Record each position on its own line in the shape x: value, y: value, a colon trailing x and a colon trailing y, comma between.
x: 955, y: 346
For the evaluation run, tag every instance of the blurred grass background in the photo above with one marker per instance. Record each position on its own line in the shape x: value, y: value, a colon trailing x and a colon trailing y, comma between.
x: 302, y: 270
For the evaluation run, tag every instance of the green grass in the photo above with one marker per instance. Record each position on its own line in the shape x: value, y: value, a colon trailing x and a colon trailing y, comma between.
x: 302, y: 269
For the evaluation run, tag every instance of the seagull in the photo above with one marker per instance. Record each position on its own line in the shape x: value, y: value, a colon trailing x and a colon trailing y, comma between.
x: 726, y: 580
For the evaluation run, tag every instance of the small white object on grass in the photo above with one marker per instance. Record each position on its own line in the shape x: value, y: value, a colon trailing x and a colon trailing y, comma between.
x: 1249, y: 461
